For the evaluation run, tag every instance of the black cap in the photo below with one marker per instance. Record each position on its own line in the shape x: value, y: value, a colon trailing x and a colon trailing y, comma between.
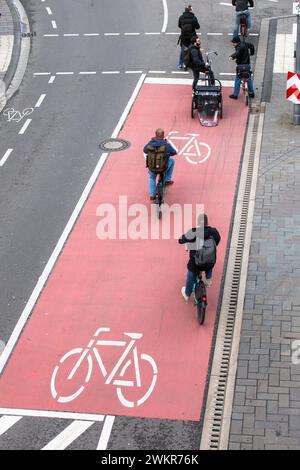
x: 236, y: 40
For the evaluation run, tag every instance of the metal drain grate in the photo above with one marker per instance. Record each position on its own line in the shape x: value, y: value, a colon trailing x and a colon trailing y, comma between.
x: 221, y: 387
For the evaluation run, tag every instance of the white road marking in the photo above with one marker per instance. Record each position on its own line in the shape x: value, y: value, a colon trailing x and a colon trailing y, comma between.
x: 71, y: 34
x: 134, y: 71
x: 64, y: 73
x: 87, y: 73
x: 106, y: 431
x: 214, y: 34
x: 111, y: 34
x: 61, y: 243
x: 54, y: 25
x: 49, y: 10
x: 226, y: 73
x: 180, y: 81
x: 42, y: 73
x: 226, y: 4
x: 177, y: 34
x: 180, y: 72
x: 7, y: 422
x: 92, y: 34
x: 51, y: 35
x: 40, y: 100
x: 4, y: 158
x: 157, y: 71
x: 132, y: 34
x: 151, y: 34
x: 27, y: 122
x: 52, y: 414
x: 68, y: 435
x: 111, y: 72
x: 51, y: 79
x: 166, y: 16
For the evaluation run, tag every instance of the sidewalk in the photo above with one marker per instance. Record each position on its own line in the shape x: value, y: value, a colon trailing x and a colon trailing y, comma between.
x: 266, y: 406
x: 6, y: 37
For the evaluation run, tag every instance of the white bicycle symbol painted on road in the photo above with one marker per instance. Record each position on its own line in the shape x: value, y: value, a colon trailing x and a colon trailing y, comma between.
x: 13, y: 115
x: 193, y: 150
x: 84, y: 363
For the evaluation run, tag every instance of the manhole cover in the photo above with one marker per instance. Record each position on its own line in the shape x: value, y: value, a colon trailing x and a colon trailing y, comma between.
x: 114, y: 145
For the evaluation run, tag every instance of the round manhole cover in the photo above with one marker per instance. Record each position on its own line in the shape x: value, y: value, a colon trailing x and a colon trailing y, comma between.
x: 114, y: 145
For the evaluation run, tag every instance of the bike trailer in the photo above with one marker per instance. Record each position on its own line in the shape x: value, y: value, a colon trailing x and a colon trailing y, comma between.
x: 208, y: 103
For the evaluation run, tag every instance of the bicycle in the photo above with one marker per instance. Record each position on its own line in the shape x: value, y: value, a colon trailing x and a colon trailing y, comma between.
x: 243, y: 27
x: 244, y: 73
x: 200, y: 298
x: 207, y: 98
x: 81, y: 370
x: 160, y: 193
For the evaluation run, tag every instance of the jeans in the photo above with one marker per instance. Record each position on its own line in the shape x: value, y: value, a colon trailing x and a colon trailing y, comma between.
x: 237, y: 21
x: 191, y: 279
x: 237, y: 84
x: 168, y: 173
x: 180, y: 61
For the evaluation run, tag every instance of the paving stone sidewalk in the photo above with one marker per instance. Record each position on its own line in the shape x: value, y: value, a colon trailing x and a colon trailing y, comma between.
x: 6, y: 37
x: 266, y: 406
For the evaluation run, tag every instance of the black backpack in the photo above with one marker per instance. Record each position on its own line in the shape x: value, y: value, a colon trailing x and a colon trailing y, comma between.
x: 206, y: 255
x: 251, y: 48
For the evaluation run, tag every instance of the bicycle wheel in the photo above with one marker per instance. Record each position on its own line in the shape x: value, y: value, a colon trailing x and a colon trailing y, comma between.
x: 149, y: 369
x: 201, y: 309
x: 70, y: 376
x: 246, y: 99
x: 193, y: 107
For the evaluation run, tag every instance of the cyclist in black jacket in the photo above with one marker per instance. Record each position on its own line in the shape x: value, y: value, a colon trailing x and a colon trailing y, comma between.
x: 242, y: 8
x: 188, y: 24
x: 193, y: 270
x: 242, y: 57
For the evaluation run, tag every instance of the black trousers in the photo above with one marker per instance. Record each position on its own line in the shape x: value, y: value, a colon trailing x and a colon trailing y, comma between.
x: 196, y: 74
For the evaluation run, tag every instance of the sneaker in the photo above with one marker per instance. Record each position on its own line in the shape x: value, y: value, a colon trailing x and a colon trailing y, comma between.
x: 186, y: 298
x: 233, y: 97
x: 208, y: 282
x: 251, y: 95
x: 180, y: 66
x: 168, y: 183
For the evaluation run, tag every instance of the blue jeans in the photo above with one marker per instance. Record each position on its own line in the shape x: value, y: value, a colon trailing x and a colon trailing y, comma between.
x: 237, y: 21
x: 237, y: 84
x: 168, y: 173
x: 191, y: 279
x: 180, y: 61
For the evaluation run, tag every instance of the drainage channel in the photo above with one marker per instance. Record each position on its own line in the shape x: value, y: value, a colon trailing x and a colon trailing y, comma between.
x: 217, y: 418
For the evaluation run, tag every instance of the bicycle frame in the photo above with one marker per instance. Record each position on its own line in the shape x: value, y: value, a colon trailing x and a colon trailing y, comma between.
x: 92, y: 346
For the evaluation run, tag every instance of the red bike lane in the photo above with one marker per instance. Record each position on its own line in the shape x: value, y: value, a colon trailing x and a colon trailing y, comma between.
x: 131, y: 285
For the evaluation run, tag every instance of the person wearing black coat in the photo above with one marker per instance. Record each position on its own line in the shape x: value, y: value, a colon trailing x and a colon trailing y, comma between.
x: 188, y: 24
x: 193, y: 270
x: 242, y: 57
x: 198, y: 64
x: 242, y: 8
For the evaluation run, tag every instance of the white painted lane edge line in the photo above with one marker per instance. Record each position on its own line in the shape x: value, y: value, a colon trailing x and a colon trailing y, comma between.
x: 111, y: 72
x: 87, y: 73
x: 23, y: 130
x: 68, y: 435
x: 40, y: 100
x: 166, y: 16
x: 52, y: 414
x: 7, y: 422
x: 51, y: 79
x: 132, y: 34
x: 157, y: 71
x: 54, y: 25
x: 152, y: 34
x: 92, y: 34
x: 42, y: 73
x: 181, y: 81
x: 133, y: 71
x: 111, y: 34
x: 51, y: 35
x: 214, y: 34
x: 64, y: 73
x: 64, y: 236
x: 5, y: 156
x: 71, y: 34
x: 106, y: 431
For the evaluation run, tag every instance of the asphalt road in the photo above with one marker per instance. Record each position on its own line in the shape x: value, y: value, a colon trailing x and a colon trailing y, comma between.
x: 53, y: 159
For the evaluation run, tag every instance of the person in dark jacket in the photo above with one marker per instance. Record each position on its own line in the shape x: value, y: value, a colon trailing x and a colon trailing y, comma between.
x: 170, y: 151
x: 188, y: 24
x: 242, y: 8
x: 198, y: 64
x: 193, y: 270
x: 242, y: 57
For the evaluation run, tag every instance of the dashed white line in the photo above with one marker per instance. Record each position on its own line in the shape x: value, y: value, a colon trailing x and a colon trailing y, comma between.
x: 157, y: 71
x: 7, y: 422
x: 51, y: 35
x: 151, y: 34
x: 111, y: 34
x: 92, y: 34
x: 87, y: 73
x: 2, y: 161
x: 54, y: 25
x: 68, y: 435
x: 214, y: 34
x: 27, y: 122
x: 42, y: 73
x: 49, y: 10
x: 71, y: 34
x: 111, y: 72
x: 132, y: 34
x: 40, y: 100
x: 133, y: 71
x: 64, y: 73
x: 51, y: 79
x: 226, y: 4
